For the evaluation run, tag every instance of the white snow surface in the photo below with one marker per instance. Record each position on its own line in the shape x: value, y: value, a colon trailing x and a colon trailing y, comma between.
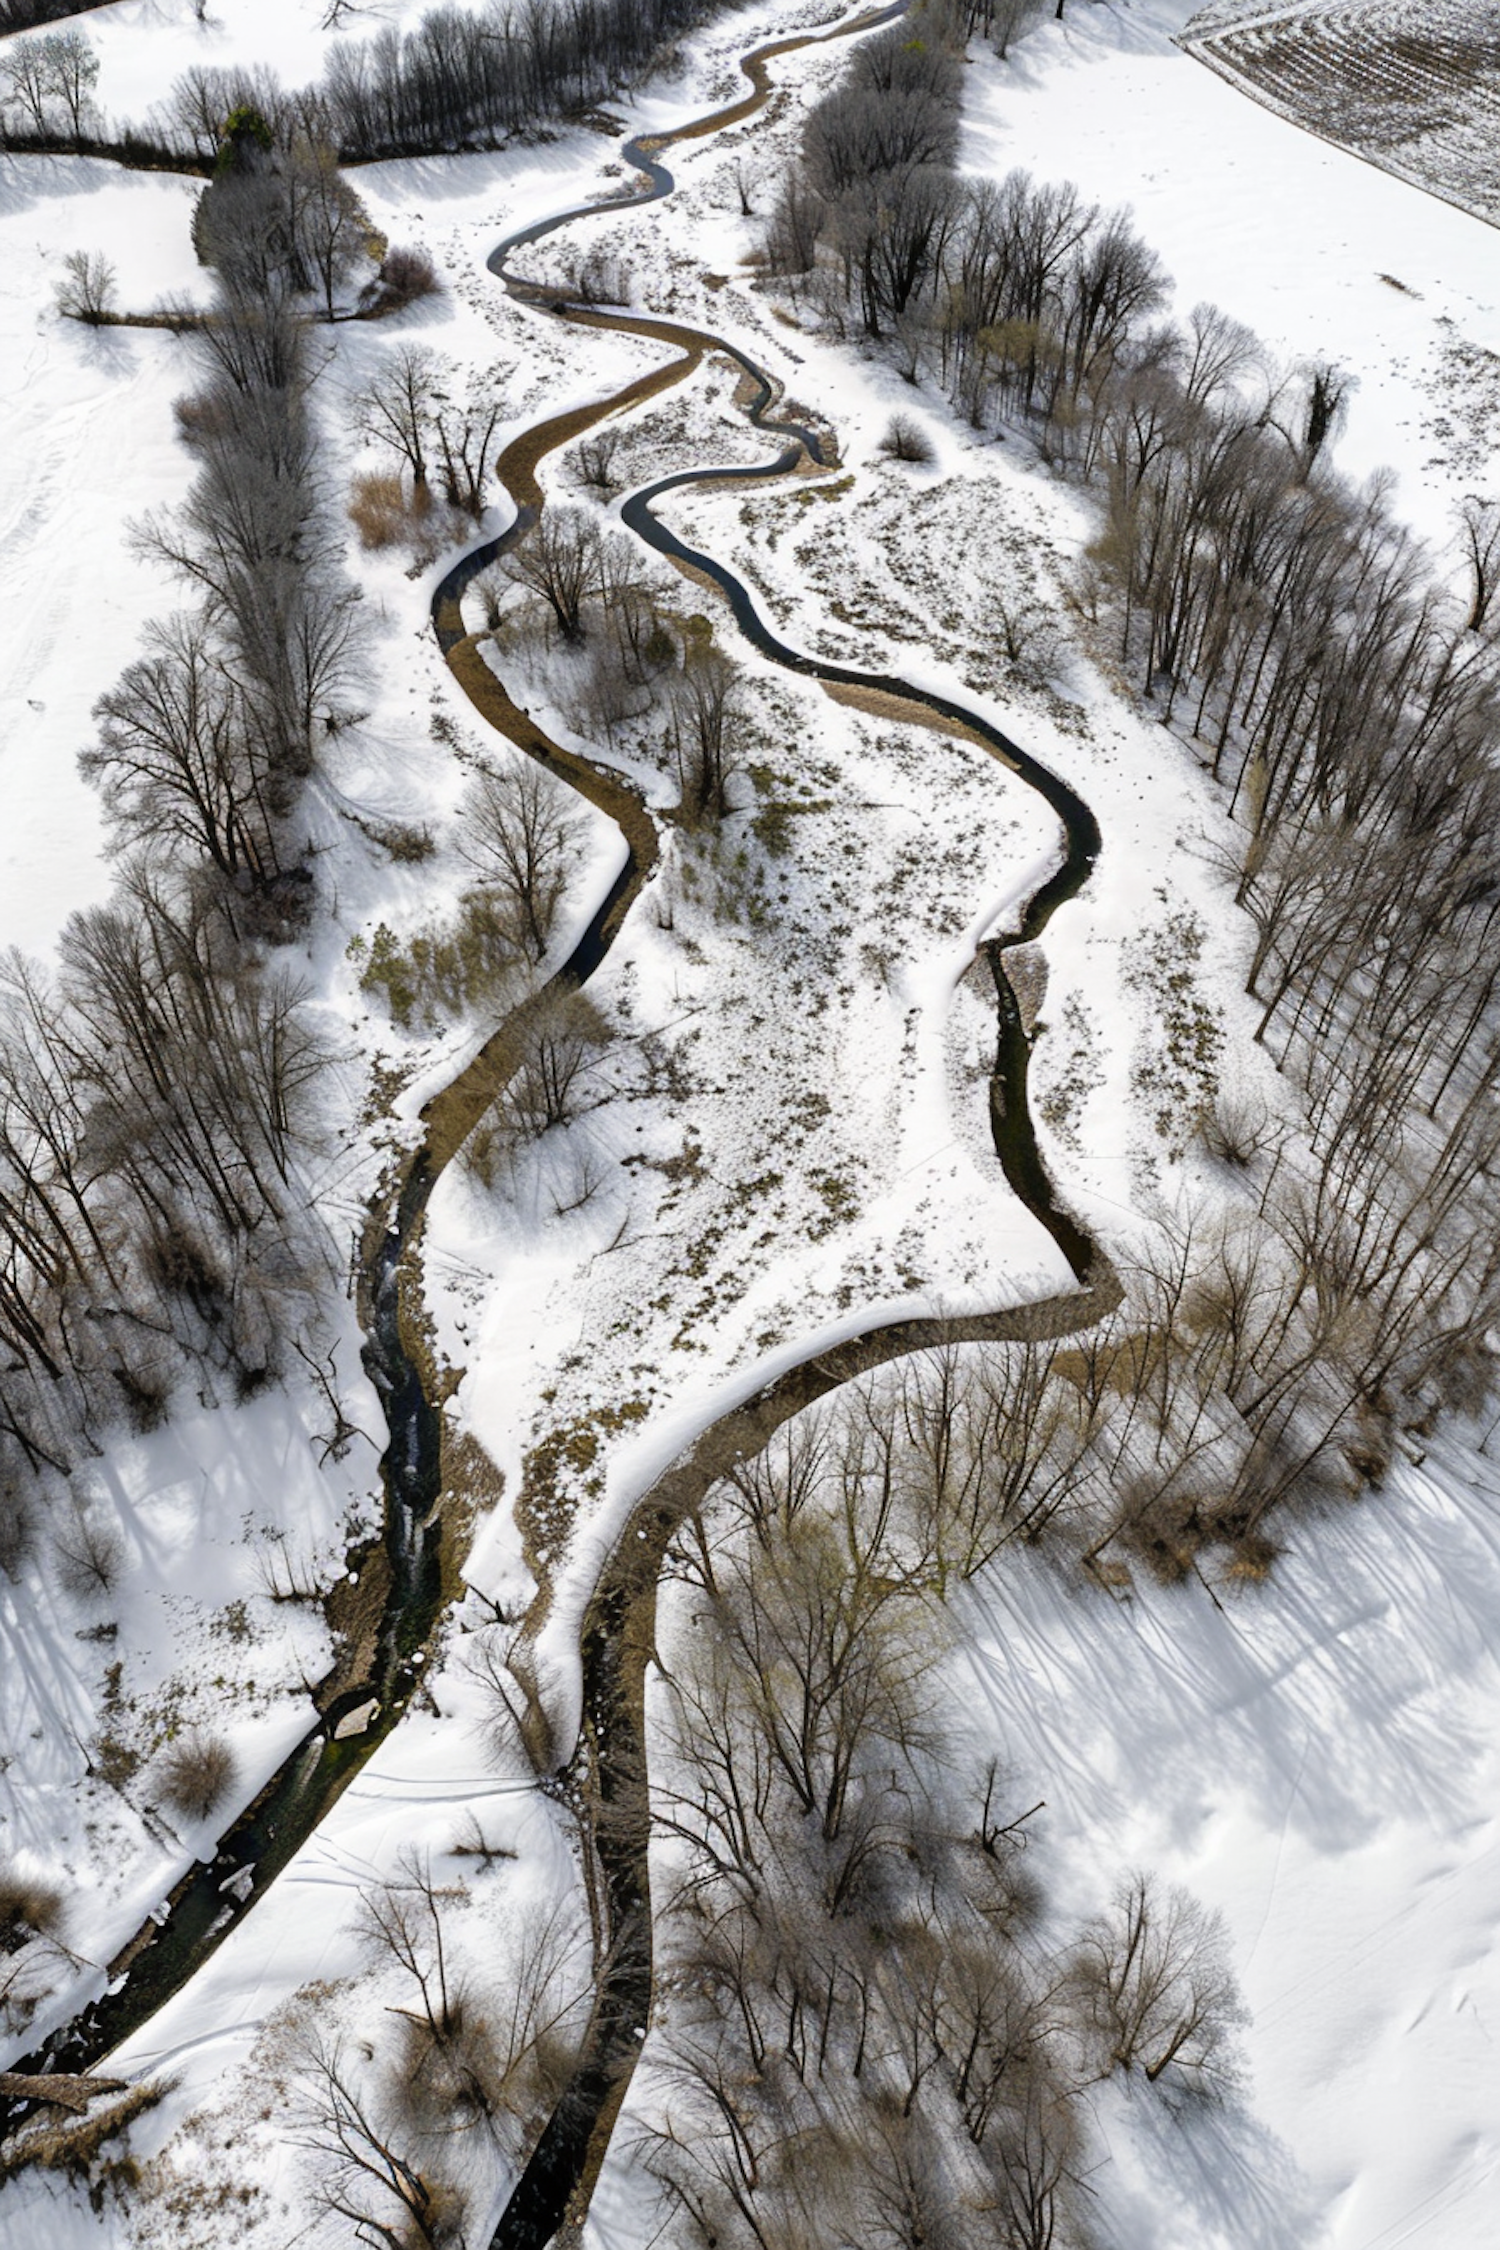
x: 1320, y: 1756
x: 1286, y: 233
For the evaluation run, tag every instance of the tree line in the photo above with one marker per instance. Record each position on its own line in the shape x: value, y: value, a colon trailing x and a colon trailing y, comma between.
x: 1342, y: 695
x: 26, y: 15
x: 161, y: 1093
x: 458, y: 79
x: 870, y: 2028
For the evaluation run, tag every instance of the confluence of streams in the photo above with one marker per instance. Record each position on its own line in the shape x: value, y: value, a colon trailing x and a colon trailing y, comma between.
x: 406, y: 1578
x: 618, y: 1639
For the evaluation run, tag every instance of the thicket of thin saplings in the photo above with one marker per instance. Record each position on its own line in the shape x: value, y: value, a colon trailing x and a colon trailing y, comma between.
x: 438, y: 2071
x: 1343, y: 697
x: 639, y: 670
x: 870, y: 2028
x: 160, y: 1103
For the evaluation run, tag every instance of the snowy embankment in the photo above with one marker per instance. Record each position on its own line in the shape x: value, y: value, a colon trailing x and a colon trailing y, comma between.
x: 1320, y: 1755
x: 1317, y: 1754
x: 1321, y: 255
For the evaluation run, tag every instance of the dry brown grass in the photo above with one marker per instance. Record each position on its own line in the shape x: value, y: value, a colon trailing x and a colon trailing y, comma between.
x: 381, y: 512
x: 29, y: 1907
x: 197, y: 1774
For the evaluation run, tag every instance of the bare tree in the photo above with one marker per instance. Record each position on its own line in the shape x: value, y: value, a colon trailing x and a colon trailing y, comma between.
x: 330, y: 226
x: 1004, y: 19
x: 403, y: 1920
x: 561, y: 558
x: 362, y: 2177
x: 464, y: 432
x: 596, y: 455
x: 1154, y: 1990
x: 558, y: 1047
x: 746, y: 175
x: 706, y: 698
x: 395, y: 408
x: 1479, y: 533
x: 180, y: 759
x: 54, y: 73
x: 87, y: 290
x: 522, y: 835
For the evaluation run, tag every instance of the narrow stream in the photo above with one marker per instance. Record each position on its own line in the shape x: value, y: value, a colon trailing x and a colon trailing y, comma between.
x: 611, y: 1757
x: 405, y: 1566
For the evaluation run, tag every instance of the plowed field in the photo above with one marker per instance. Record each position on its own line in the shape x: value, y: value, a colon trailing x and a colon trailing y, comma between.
x: 1411, y: 85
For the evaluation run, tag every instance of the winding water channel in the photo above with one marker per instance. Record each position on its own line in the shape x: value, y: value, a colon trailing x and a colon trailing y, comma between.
x: 611, y: 1756
x: 402, y: 1578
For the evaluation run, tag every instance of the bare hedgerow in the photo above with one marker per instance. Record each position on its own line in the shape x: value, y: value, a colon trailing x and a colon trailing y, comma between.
x: 197, y: 1773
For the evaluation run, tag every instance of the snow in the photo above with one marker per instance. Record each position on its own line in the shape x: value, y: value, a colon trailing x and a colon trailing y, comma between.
x: 89, y: 446
x: 1286, y: 233
x: 1320, y: 1758
x: 1320, y: 1755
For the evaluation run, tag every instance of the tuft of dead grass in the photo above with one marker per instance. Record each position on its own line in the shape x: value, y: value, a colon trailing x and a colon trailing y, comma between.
x: 380, y: 511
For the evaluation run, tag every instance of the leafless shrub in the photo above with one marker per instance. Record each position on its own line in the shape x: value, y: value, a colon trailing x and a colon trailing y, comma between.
x: 90, y: 1555
x: 146, y: 1393
x: 406, y: 276
x: 512, y: 1726
x: 197, y: 1774
x: 489, y: 588
x: 1236, y: 1128
x: 906, y: 440
x: 609, y: 694
x: 29, y: 1907
x: 1163, y: 1526
x: 457, y: 2064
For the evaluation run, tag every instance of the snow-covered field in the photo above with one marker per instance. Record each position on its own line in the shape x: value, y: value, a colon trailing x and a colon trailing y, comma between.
x: 790, y: 1135
x: 1413, y: 85
x: 1315, y: 251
